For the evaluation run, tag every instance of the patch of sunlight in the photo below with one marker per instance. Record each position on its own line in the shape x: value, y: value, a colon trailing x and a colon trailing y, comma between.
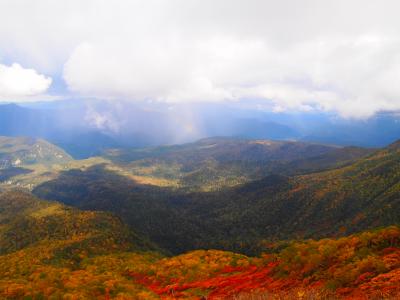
x: 54, y: 209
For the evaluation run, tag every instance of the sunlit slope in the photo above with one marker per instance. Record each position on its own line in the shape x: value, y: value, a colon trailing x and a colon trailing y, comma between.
x: 21, y: 151
x: 45, y: 248
x: 363, y: 195
x: 25, y: 162
x: 362, y: 266
x: 26, y: 220
x: 207, y: 165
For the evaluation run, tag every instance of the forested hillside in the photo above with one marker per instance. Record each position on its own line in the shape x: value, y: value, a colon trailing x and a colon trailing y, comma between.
x: 96, y: 257
x: 50, y: 251
x: 26, y: 220
x: 356, y: 197
x: 216, y: 163
x: 257, y: 231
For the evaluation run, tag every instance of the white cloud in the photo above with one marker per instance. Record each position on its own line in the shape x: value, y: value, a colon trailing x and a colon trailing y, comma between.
x: 338, y: 56
x: 18, y: 83
x: 104, y: 120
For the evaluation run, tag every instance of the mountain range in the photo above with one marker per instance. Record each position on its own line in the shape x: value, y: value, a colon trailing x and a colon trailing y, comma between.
x: 87, y: 128
x: 279, y: 219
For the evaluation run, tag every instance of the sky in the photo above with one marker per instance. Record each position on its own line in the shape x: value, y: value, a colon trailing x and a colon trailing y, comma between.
x: 341, y: 56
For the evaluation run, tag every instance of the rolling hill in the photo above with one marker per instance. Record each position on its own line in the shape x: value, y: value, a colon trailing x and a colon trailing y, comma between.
x: 360, y: 196
x: 207, y: 165
x: 215, y: 163
x: 228, y: 217
x: 347, y: 199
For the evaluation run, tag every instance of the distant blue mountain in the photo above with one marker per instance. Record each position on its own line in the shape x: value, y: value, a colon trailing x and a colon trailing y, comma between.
x: 67, y: 124
x: 377, y: 131
x: 77, y: 140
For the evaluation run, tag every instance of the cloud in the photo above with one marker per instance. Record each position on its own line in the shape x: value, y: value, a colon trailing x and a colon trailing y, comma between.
x: 341, y: 56
x: 19, y: 83
x: 355, y: 77
x: 100, y: 119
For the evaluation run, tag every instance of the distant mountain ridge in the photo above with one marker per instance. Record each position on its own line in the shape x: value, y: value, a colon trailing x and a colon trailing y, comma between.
x: 218, y: 162
x: 71, y: 125
x: 64, y: 127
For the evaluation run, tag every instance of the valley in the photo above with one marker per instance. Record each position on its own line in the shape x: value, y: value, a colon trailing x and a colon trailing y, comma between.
x: 218, y: 218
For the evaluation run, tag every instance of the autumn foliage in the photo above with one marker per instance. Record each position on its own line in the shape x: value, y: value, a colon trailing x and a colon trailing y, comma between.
x: 71, y: 254
x: 361, y: 266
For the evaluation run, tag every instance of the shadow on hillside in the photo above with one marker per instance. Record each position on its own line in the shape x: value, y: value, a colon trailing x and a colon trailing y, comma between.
x: 174, y: 220
x: 145, y: 208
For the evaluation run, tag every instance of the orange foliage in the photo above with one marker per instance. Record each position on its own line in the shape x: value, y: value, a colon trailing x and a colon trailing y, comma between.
x: 361, y: 266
